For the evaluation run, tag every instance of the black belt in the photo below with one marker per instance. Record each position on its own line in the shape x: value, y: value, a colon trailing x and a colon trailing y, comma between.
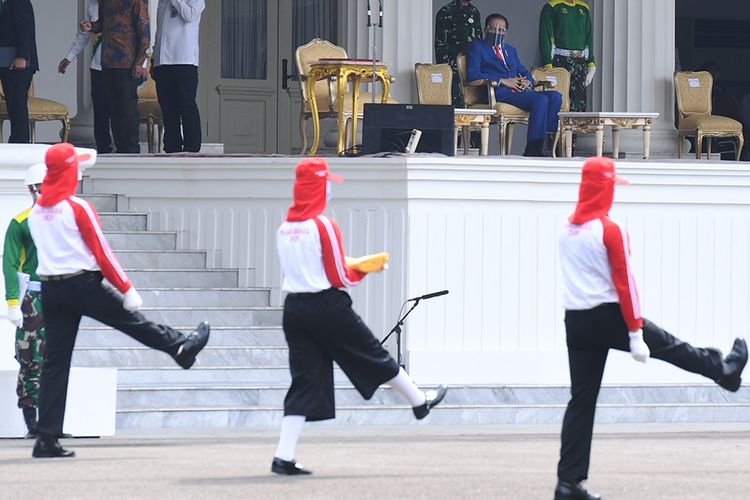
x: 61, y: 277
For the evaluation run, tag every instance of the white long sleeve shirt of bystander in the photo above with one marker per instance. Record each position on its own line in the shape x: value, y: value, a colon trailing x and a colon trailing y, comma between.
x: 177, y: 27
x: 83, y: 38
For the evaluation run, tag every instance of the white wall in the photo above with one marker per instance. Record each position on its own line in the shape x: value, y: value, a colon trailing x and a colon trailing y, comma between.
x: 486, y: 230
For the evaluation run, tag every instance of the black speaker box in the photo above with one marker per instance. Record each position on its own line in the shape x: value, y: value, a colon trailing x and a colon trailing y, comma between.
x: 388, y: 127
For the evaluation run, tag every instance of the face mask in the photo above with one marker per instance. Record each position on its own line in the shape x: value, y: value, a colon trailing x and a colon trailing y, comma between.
x: 328, y: 191
x: 494, y: 39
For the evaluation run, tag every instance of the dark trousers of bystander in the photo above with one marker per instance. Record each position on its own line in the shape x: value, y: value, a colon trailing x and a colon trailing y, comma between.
x: 16, y: 84
x: 176, y: 88
x: 590, y: 334
x: 121, y: 91
x: 101, y: 113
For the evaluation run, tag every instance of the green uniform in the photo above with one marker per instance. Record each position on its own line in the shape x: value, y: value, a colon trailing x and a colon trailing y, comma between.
x: 566, y: 24
x: 456, y: 27
x: 19, y: 254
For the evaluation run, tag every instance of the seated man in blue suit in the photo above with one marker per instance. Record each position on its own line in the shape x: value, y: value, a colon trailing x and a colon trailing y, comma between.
x: 493, y: 60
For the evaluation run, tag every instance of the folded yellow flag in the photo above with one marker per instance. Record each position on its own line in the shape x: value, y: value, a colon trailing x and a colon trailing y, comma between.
x: 369, y: 263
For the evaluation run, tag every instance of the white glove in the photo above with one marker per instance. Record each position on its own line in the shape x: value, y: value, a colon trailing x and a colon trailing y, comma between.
x: 133, y: 300
x: 15, y: 316
x: 638, y: 348
x: 590, y: 75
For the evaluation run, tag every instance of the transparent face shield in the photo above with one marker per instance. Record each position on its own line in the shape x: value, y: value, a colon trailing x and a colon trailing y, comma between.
x: 495, y: 35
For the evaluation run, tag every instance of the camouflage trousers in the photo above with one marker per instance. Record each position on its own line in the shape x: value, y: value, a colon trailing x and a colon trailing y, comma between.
x: 577, y: 68
x: 30, y: 350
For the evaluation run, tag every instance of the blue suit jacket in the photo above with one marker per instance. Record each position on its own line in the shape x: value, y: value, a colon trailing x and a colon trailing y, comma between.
x: 483, y: 64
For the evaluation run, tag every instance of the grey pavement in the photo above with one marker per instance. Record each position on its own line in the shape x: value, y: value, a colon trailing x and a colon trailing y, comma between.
x: 640, y: 462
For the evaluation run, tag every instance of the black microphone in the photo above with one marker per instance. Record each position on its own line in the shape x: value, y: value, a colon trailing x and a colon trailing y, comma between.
x: 429, y: 295
x: 369, y: 13
x: 380, y: 25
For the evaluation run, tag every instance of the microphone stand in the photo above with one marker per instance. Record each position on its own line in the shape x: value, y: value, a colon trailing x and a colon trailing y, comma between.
x: 397, y: 330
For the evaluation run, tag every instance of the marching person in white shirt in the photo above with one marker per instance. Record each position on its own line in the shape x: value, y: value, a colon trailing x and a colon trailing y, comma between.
x: 175, y: 72
x: 602, y: 312
x: 102, y: 134
x: 74, y: 257
x: 320, y: 325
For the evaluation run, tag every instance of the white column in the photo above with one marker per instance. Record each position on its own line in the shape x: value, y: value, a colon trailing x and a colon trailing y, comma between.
x: 405, y: 39
x: 82, y: 124
x: 635, y: 42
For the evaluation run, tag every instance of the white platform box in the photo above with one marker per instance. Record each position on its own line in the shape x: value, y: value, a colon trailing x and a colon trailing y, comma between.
x: 90, y: 410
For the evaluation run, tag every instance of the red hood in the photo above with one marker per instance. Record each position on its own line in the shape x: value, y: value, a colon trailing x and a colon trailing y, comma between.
x: 310, y: 189
x: 597, y: 190
x: 61, y: 180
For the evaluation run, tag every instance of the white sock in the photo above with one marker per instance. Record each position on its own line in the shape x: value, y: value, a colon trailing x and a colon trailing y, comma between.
x: 291, y: 428
x: 406, y: 387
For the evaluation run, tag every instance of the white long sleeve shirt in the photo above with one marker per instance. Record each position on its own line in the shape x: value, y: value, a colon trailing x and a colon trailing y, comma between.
x: 595, y: 262
x: 177, y: 32
x: 83, y: 38
x: 312, y: 256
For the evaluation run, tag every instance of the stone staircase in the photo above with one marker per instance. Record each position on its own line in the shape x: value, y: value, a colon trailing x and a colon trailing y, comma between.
x: 241, y: 377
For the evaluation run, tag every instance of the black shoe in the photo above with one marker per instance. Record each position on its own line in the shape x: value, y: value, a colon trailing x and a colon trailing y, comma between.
x: 734, y: 363
x: 29, y: 416
x: 571, y: 490
x: 288, y: 467
x: 534, y: 148
x: 195, y: 342
x: 47, y: 447
x: 433, y: 400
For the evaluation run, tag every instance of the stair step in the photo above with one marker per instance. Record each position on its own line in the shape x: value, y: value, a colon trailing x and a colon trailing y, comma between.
x: 183, y: 278
x: 144, y: 357
x: 205, y: 297
x: 202, y: 374
x: 232, y: 336
x: 219, y: 316
x: 123, y: 221
x: 445, y: 414
x: 162, y: 259
x: 102, y: 202
x: 141, y: 240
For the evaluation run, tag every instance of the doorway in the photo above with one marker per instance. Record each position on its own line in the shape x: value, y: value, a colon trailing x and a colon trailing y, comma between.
x: 249, y: 91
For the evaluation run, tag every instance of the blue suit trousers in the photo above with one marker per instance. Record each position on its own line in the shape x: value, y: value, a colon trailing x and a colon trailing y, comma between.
x: 543, y: 108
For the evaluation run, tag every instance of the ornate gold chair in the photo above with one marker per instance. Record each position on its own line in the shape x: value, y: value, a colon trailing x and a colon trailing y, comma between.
x: 325, y: 90
x: 694, y: 116
x: 149, y: 113
x: 40, y: 110
x: 434, y: 84
x: 506, y: 115
x: 559, y: 80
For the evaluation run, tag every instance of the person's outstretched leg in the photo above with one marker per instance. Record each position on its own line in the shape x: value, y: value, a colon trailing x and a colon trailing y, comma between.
x: 703, y: 361
x: 421, y: 402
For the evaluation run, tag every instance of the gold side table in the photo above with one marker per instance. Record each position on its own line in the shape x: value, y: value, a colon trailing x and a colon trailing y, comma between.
x: 342, y: 71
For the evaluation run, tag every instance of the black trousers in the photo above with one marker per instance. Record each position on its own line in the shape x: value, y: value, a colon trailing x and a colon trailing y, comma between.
x: 16, y: 84
x: 121, y: 91
x: 590, y: 334
x: 101, y: 113
x: 176, y: 87
x: 321, y: 328
x: 64, y: 303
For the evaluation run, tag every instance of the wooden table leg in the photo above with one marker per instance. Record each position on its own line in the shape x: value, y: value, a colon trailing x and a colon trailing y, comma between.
x: 310, y: 84
x: 465, y: 137
x: 599, y: 140
x: 485, y: 138
x: 456, y: 129
x: 568, y: 142
x: 615, y: 142
x: 647, y: 141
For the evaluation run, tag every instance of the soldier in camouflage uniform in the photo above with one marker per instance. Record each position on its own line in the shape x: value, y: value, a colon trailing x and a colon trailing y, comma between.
x: 457, y: 24
x: 23, y: 294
